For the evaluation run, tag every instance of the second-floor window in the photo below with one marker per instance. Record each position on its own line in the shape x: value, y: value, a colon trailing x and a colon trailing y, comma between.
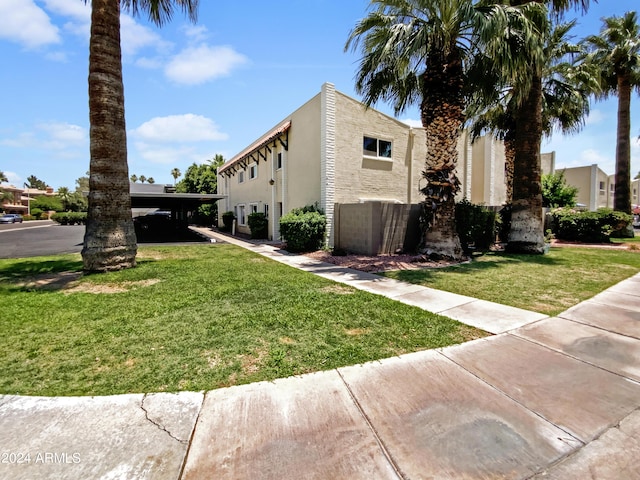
x: 253, y: 171
x: 375, y: 147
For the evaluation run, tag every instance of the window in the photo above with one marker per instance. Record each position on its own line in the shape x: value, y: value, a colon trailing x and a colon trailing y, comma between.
x: 253, y: 207
x: 279, y: 161
x: 266, y: 210
x: 374, y: 147
x: 240, y: 177
x: 253, y: 171
x: 242, y: 220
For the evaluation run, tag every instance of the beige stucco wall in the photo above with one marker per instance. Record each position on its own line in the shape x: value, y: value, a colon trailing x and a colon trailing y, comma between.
x: 359, y: 178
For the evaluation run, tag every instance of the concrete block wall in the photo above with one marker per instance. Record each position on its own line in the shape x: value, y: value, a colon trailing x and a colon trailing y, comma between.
x: 375, y: 228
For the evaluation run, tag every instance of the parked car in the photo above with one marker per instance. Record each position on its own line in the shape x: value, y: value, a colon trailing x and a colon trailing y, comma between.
x: 11, y: 218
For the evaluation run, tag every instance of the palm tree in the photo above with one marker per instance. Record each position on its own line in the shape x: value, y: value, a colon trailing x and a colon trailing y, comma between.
x: 565, y: 98
x: 175, y: 173
x: 417, y: 51
x: 616, y: 55
x: 65, y: 197
x: 133, y: 178
x: 527, y: 227
x: 3, y: 177
x: 110, y: 240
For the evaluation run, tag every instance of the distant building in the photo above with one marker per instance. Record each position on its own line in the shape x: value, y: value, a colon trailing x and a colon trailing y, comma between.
x: 596, y: 189
x: 22, y: 197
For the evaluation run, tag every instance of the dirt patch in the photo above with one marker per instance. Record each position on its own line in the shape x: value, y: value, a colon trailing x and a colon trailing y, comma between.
x: 251, y: 363
x: 606, y: 246
x: 354, y: 332
x: 338, y: 290
x: 213, y: 358
x: 110, y: 288
x: 380, y: 263
x: 287, y: 341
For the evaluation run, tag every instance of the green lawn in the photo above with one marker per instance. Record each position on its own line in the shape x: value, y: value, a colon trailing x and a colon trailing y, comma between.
x: 547, y: 284
x: 192, y: 318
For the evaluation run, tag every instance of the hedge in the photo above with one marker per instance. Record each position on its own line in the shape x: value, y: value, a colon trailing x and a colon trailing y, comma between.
x: 585, y: 226
x: 303, y: 231
x: 476, y: 226
x: 258, y: 224
x: 70, y: 218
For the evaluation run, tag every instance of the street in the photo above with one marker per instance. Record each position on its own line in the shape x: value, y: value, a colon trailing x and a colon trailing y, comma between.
x: 30, y: 239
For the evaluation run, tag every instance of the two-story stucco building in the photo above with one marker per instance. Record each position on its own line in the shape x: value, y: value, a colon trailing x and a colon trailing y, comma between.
x: 334, y: 150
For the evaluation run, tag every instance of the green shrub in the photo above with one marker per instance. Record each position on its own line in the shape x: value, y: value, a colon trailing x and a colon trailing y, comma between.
x: 227, y: 220
x: 303, y: 231
x: 258, y: 224
x: 70, y: 218
x: 36, y: 212
x: 476, y: 226
x: 26, y: 218
x: 585, y: 226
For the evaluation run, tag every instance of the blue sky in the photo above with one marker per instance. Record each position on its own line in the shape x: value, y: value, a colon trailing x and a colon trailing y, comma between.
x: 193, y: 91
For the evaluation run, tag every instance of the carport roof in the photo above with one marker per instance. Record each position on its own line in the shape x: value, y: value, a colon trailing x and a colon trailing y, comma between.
x: 169, y: 201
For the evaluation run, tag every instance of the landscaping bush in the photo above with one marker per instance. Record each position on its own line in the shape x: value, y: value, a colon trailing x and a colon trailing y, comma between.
x: 585, y: 226
x: 258, y: 224
x: 227, y: 221
x: 36, y: 212
x: 303, y: 230
x: 70, y: 218
x: 476, y: 226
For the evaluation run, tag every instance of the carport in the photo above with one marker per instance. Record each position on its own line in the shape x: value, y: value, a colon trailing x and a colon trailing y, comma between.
x: 164, y: 197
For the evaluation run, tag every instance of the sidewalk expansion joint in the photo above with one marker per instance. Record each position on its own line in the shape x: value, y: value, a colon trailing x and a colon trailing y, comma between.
x: 158, y: 425
x: 381, y: 444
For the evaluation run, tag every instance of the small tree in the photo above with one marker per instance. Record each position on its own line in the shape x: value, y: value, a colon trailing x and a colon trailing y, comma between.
x: 556, y: 192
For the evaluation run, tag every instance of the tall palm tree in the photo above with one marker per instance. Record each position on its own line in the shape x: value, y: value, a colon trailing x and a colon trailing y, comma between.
x: 565, y: 97
x: 65, y: 197
x: 110, y: 241
x: 615, y: 52
x: 527, y: 226
x: 416, y: 51
x: 175, y: 173
x: 3, y: 177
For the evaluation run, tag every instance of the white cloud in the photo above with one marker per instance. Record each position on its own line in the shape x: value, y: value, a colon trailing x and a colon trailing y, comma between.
x: 185, y: 128
x: 167, y: 155
x: 135, y: 37
x: 22, y: 21
x: 196, y: 65
x: 412, y: 123
x: 196, y: 33
x: 150, y: 63
x: 595, y: 116
x: 63, y: 138
x: 63, y: 135
x: 174, y: 139
x: 13, y: 178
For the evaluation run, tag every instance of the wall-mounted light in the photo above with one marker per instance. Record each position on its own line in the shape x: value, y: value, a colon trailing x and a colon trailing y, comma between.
x: 272, y: 181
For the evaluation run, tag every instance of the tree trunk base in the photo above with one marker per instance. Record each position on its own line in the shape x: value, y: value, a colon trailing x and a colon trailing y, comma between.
x: 526, y: 234
x: 99, y: 259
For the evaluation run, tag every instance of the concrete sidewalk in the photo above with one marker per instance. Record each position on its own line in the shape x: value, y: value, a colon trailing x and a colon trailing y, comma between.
x: 544, y: 398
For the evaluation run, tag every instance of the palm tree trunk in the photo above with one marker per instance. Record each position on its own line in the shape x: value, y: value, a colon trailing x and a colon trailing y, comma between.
x: 527, y: 227
x: 622, y: 198
x: 109, y: 241
x: 509, y: 161
x: 442, y: 116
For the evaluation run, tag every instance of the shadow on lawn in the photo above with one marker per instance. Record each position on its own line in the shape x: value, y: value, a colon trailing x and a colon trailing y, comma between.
x: 489, y: 261
x: 28, y: 268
